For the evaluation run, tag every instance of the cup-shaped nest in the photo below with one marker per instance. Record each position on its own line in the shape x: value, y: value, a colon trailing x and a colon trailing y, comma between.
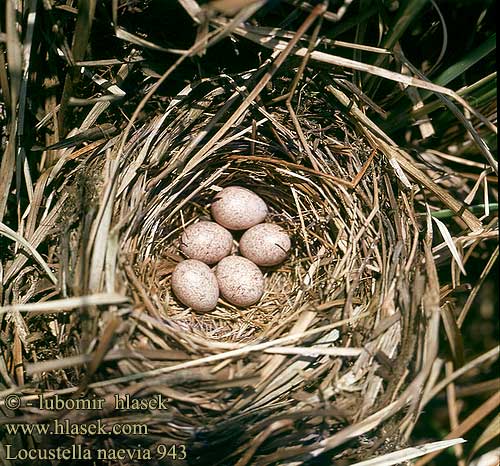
x: 324, y: 359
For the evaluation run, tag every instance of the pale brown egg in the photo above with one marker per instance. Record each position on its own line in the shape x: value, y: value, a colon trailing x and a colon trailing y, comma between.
x: 240, y: 281
x: 266, y: 244
x: 195, y: 285
x: 207, y: 242
x: 238, y: 208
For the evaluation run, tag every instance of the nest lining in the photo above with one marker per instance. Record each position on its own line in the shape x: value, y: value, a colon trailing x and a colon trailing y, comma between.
x: 319, y: 224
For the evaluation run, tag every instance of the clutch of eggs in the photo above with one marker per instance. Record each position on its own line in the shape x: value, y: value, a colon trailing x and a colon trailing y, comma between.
x: 238, y: 279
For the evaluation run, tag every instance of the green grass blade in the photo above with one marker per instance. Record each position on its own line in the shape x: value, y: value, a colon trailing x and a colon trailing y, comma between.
x: 477, y: 94
x: 474, y: 56
x: 475, y: 209
x: 409, y: 12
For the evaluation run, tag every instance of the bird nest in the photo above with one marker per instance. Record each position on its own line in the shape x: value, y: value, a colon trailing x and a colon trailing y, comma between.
x: 320, y: 367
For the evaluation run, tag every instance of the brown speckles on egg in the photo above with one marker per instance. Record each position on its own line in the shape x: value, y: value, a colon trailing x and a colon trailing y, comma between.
x: 265, y: 244
x: 238, y: 208
x: 195, y: 285
x: 207, y: 242
x: 240, y: 281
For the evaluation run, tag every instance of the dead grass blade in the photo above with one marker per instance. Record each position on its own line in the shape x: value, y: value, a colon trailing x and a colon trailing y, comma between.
x: 232, y: 7
x: 284, y: 53
x: 11, y: 234
x: 453, y: 412
x: 4, y: 79
x: 100, y: 352
x: 276, y: 44
x: 472, y: 420
x: 478, y: 388
x: 482, y: 146
x: 85, y: 18
x: 449, y: 243
x: 402, y: 160
x: 492, y: 354
x: 490, y: 458
x: 100, y: 231
x: 22, y: 166
x: 490, y: 433
x: 401, y: 456
x: 63, y: 305
x: 126, y: 36
x: 275, y: 427
x: 455, y: 339
x: 14, y: 66
x: 470, y: 299
x: 244, y: 350
x: 7, y: 169
x: 192, y: 8
x: 14, y: 54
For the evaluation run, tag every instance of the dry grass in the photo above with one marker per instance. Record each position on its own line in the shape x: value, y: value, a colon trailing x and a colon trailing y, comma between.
x: 341, y: 356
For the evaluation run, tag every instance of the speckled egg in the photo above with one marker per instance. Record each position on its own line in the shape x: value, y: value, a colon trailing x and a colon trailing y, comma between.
x: 265, y: 244
x: 207, y: 242
x: 240, y: 281
x: 195, y: 285
x: 238, y: 208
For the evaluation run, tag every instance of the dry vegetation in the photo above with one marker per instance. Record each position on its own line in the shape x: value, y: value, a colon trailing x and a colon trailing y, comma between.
x: 372, y: 140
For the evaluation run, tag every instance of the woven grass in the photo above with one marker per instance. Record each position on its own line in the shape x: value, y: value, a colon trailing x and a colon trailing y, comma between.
x: 336, y: 361
x: 293, y: 370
